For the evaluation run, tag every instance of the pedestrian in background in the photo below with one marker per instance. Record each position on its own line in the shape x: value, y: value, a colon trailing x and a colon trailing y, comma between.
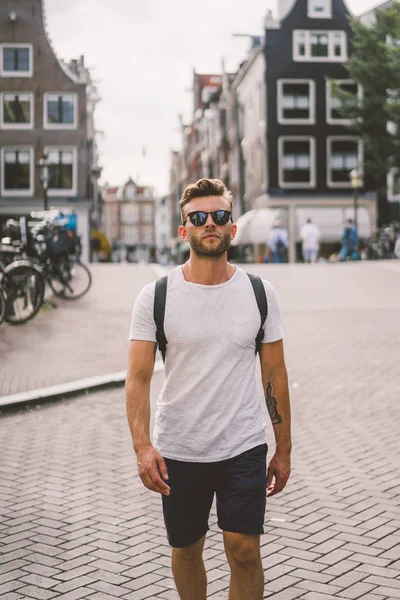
x: 209, y: 435
x: 310, y: 236
x: 278, y: 242
x: 349, y: 242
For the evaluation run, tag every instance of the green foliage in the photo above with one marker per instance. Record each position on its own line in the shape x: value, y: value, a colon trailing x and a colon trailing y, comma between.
x: 375, y: 66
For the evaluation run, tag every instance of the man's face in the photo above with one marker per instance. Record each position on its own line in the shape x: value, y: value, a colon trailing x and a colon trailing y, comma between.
x: 208, y: 240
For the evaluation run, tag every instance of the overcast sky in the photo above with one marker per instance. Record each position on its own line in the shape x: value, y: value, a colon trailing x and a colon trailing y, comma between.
x: 142, y: 53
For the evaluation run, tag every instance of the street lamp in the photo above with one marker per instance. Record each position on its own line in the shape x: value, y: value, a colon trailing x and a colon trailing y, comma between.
x: 43, y: 165
x: 356, y: 184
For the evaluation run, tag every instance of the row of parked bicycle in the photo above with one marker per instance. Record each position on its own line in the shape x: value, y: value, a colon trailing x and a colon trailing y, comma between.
x: 38, y: 254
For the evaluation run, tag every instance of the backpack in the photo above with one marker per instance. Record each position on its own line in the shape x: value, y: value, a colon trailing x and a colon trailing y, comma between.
x: 160, y: 298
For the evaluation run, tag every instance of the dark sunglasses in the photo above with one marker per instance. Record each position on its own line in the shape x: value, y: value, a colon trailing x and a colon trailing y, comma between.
x: 199, y: 217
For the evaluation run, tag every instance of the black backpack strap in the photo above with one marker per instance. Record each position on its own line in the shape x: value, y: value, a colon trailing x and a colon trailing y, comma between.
x: 262, y: 303
x: 160, y: 298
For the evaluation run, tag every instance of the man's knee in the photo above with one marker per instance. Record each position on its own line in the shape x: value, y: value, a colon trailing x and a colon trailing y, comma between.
x: 242, y: 550
x: 189, y: 554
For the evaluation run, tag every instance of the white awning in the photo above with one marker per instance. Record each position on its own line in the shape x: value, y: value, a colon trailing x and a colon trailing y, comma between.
x: 255, y: 225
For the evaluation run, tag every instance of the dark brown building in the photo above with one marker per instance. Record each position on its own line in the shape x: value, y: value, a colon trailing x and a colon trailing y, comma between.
x: 43, y: 113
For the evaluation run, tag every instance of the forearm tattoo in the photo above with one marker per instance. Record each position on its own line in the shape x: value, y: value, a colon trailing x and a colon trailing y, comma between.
x: 272, y: 405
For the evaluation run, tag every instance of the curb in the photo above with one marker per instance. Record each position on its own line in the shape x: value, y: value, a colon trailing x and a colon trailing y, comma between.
x: 68, y: 389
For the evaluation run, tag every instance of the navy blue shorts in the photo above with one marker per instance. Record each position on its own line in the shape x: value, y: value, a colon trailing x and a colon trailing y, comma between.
x: 240, y: 485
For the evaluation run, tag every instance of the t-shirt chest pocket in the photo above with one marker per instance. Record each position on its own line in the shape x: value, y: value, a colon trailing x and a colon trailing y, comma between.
x: 245, y: 329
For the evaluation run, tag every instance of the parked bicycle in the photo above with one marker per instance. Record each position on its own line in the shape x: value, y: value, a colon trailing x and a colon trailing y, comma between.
x: 22, y: 290
x: 34, y: 253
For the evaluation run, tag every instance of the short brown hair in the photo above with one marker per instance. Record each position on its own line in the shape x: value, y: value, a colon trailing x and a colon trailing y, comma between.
x: 205, y: 187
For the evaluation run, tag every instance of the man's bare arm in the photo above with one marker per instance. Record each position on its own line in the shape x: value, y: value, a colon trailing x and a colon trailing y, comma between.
x: 276, y: 393
x: 151, y: 465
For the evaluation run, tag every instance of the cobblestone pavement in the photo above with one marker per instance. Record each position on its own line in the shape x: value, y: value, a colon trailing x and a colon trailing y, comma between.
x: 79, y: 339
x: 77, y: 523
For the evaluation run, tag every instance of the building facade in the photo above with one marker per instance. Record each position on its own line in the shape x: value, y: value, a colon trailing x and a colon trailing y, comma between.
x: 46, y: 112
x: 129, y: 220
x: 311, y: 150
x: 249, y: 150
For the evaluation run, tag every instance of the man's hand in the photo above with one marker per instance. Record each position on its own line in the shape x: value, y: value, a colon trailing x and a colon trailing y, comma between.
x: 152, y: 470
x: 278, y: 472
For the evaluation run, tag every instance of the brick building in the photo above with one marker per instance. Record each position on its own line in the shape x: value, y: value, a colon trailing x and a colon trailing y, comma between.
x: 46, y: 111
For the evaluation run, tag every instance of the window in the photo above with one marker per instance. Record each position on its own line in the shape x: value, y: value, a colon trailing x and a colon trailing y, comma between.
x: 16, y: 60
x: 296, y: 101
x: 17, y: 171
x: 147, y: 214
x: 60, y: 111
x: 16, y: 111
x: 393, y: 185
x: 319, y: 46
x: 334, y: 104
x: 130, y: 214
x: 343, y: 156
x: 320, y: 9
x: 296, y: 162
x: 131, y: 234
x: 130, y: 192
x: 148, y: 233
x: 62, y: 171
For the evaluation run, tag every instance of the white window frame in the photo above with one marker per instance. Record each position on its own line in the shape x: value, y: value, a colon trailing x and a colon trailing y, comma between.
x: 74, y: 190
x: 360, y: 157
x: 14, y: 193
x: 296, y: 138
x: 284, y: 121
x: 331, y: 46
x: 16, y: 73
x: 312, y: 14
x: 4, y: 125
x: 47, y: 125
x: 329, y: 118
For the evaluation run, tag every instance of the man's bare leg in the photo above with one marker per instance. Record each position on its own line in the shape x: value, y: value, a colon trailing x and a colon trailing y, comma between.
x: 247, y: 576
x: 189, y: 571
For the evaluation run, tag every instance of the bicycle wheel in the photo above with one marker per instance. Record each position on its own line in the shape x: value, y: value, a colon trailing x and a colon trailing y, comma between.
x: 70, y: 279
x: 24, y: 291
x: 2, y: 306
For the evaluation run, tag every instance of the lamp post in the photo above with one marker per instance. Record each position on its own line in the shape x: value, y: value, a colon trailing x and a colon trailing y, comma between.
x: 43, y: 165
x: 356, y: 184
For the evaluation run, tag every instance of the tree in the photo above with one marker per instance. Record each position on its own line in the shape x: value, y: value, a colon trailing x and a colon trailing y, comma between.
x: 375, y: 113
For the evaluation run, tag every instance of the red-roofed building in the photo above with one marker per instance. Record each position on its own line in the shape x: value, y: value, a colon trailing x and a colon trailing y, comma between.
x: 129, y: 219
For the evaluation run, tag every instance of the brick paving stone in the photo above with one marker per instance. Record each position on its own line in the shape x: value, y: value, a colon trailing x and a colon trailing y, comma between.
x: 321, y: 588
x: 38, y: 593
x: 388, y: 592
x: 108, y: 577
x: 72, y: 584
x: 72, y: 573
x: 77, y: 594
x: 144, y: 581
x: 39, y: 580
x: 341, y: 568
x: 9, y: 586
x: 288, y: 594
x: 383, y: 581
x: 99, y: 596
x: 357, y: 590
x: 151, y: 592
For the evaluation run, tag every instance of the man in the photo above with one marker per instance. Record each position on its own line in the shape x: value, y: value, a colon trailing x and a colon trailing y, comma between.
x: 278, y: 242
x: 310, y: 237
x: 209, y: 436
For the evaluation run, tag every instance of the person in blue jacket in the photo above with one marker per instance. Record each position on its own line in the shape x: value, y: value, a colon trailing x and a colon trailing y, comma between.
x: 349, y: 249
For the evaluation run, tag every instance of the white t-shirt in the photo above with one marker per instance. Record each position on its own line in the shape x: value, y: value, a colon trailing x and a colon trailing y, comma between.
x: 310, y: 236
x: 208, y: 409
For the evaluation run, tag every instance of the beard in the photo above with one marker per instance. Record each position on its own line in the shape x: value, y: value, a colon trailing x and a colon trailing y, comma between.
x: 202, y: 250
